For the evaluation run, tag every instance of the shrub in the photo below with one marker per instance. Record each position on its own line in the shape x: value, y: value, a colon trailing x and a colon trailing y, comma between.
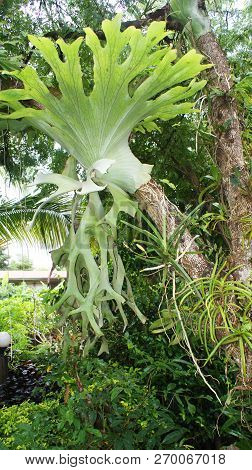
x: 112, y: 409
x: 16, y: 420
x: 23, y: 315
x: 159, y: 404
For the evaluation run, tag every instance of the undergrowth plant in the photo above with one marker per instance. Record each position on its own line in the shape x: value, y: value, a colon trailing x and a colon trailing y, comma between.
x: 137, y: 80
x: 23, y: 315
x: 216, y: 308
x: 222, y: 314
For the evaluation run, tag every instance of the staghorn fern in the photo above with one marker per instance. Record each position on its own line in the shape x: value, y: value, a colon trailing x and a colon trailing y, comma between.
x: 95, y: 130
x: 189, y: 14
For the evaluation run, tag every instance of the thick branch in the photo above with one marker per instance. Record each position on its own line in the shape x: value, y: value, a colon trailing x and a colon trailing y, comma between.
x: 223, y: 114
x: 161, y: 14
x: 153, y: 200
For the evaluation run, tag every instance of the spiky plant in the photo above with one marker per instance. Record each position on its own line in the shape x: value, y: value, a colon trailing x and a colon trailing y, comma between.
x: 136, y: 82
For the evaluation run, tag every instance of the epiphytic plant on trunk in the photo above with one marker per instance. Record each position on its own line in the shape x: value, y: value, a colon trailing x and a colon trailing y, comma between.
x: 137, y: 80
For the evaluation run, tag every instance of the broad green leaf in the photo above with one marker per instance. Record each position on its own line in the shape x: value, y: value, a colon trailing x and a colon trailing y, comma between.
x: 97, y: 126
x: 191, y: 16
x: 8, y: 62
x: 136, y: 82
x: 13, y: 126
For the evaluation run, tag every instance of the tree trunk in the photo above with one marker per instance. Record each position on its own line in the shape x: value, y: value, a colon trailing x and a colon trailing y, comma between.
x: 223, y: 115
x: 153, y: 200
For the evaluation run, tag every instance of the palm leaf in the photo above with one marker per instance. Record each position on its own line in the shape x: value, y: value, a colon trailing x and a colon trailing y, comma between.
x: 50, y: 227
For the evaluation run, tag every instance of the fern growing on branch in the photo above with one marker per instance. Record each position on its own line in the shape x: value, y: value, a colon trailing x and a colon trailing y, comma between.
x: 94, y: 129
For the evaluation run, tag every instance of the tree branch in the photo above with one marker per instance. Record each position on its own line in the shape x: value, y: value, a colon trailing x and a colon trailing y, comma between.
x: 161, y: 14
x: 153, y: 200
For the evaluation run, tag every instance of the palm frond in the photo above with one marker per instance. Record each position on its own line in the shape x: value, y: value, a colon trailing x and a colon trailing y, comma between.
x: 50, y: 227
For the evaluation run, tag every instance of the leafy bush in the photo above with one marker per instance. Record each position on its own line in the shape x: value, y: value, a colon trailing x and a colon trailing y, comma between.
x: 180, y: 389
x: 23, y: 316
x: 113, y: 409
x: 145, y: 394
x: 15, y: 318
x: 23, y: 263
x: 18, y: 418
x: 161, y: 404
x: 4, y: 259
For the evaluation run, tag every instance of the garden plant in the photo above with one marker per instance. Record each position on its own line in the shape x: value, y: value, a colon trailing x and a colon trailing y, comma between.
x: 131, y: 132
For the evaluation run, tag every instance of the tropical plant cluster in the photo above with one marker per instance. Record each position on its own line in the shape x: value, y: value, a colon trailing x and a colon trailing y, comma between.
x: 113, y: 124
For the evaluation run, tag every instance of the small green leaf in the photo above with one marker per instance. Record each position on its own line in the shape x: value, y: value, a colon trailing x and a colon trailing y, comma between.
x: 94, y: 432
x: 115, y: 392
x: 171, y: 185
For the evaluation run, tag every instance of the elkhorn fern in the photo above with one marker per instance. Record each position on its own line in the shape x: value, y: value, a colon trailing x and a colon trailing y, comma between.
x: 95, y: 130
x: 191, y: 16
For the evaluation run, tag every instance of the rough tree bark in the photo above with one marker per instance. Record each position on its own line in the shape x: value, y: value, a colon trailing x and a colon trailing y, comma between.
x: 153, y: 200
x: 223, y: 114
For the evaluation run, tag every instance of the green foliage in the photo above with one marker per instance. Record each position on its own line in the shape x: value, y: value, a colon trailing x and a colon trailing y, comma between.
x: 160, y: 251
x: 173, y: 394
x: 221, y: 312
x: 170, y: 370
x: 114, y: 410
x: 216, y: 310
x: 15, y: 315
x: 191, y: 16
x: 4, y: 260
x: 23, y: 316
x: 49, y: 229
x: 146, y: 396
x: 18, y: 417
x: 23, y: 264
x: 219, y: 305
x: 94, y: 127
x: 155, y: 402
x: 91, y: 131
x: 6, y: 62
